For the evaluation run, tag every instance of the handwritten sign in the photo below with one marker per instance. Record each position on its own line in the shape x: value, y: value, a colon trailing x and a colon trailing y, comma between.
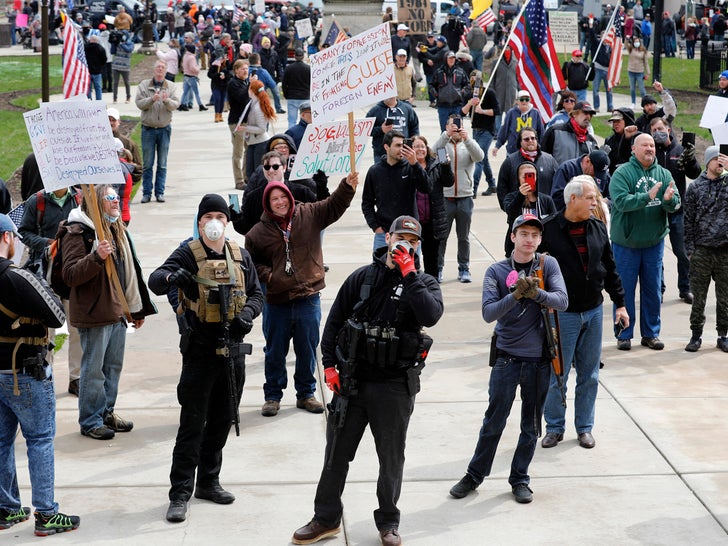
x: 326, y: 147
x: 415, y: 14
x: 352, y: 74
x: 715, y: 112
x: 303, y: 28
x: 73, y: 144
x: 564, y: 28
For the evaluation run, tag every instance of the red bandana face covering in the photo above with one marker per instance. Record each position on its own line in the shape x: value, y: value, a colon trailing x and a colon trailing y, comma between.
x: 578, y: 130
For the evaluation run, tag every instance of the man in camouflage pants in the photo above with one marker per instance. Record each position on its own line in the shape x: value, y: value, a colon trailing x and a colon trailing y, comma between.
x: 706, y: 243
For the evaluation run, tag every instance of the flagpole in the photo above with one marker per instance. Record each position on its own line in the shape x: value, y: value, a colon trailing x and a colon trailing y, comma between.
x: 604, y: 34
x: 503, y: 49
x: 44, y: 60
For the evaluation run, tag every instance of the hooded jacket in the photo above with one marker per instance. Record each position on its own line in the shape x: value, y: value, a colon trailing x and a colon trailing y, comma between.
x: 508, y: 175
x: 266, y: 244
x: 637, y: 220
x: 464, y: 157
x: 404, y: 119
x: 512, y: 125
x: 706, y: 213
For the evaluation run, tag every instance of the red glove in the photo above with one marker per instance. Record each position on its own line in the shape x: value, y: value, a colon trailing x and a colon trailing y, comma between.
x: 404, y: 261
x: 332, y: 379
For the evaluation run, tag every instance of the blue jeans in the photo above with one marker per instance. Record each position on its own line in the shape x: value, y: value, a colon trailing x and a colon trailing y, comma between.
x: 668, y: 45
x: 580, y: 94
x: 677, y: 241
x: 190, y: 89
x: 636, y: 78
x: 380, y: 239
x: 461, y: 211
x: 484, y: 139
x: 443, y: 112
x: 101, y: 363
x: 505, y: 377
x: 293, y: 105
x: 690, y: 47
x: 276, y: 98
x: 155, y: 140
x: 35, y: 411
x: 581, y: 344
x: 644, y: 264
x: 218, y: 100
x: 477, y: 59
x: 95, y: 86
x: 599, y: 77
x: 298, y: 320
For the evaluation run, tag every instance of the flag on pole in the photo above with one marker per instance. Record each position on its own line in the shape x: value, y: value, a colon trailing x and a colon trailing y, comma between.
x: 483, y: 20
x: 237, y: 14
x: 613, y: 39
x: 479, y: 6
x: 335, y: 34
x: 538, y: 69
x: 76, y: 77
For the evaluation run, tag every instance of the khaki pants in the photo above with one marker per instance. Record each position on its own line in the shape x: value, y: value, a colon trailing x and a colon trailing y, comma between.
x: 239, y: 146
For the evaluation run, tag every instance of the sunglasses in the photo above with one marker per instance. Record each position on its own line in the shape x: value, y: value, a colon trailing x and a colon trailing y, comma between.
x: 111, y: 198
x: 528, y: 139
x: 274, y: 167
x: 569, y: 100
x: 524, y: 99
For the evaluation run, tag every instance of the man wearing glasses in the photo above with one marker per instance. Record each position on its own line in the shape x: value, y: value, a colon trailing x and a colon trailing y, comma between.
x: 572, y: 138
x: 286, y: 249
x: 522, y: 115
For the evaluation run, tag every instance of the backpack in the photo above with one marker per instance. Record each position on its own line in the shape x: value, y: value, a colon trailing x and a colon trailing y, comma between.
x: 54, y: 259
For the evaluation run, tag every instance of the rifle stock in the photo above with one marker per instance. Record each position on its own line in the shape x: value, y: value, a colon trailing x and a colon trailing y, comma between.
x: 223, y: 291
x: 553, y: 337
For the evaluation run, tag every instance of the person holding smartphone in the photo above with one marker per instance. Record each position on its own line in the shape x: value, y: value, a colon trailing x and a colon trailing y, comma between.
x: 391, y: 114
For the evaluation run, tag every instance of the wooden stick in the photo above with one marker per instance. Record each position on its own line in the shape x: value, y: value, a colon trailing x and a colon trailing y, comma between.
x: 352, y: 151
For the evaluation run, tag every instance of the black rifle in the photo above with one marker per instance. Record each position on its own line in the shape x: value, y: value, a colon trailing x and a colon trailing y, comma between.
x: 347, y: 367
x: 229, y: 351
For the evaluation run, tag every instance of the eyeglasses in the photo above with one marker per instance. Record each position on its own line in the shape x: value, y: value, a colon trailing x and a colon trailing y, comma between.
x: 111, y: 198
x: 274, y: 167
x: 524, y: 99
x: 569, y: 100
x: 528, y: 139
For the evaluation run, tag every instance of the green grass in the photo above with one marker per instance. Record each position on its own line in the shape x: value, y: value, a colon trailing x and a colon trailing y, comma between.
x: 22, y: 73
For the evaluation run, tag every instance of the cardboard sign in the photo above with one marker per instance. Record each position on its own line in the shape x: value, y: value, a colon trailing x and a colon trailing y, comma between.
x: 352, y: 74
x: 715, y: 112
x: 73, y: 144
x: 326, y: 147
x: 564, y: 28
x: 415, y: 14
x: 303, y: 28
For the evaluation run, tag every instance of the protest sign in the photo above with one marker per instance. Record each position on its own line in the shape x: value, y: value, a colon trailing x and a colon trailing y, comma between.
x: 43, y: 153
x: 352, y: 74
x: 303, y: 28
x: 415, y: 14
x: 715, y: 112
x: 326, y: 147
x: 80, y: 143
x: 564, y: 28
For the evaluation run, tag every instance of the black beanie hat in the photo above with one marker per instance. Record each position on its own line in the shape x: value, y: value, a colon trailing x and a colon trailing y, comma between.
x: 212, y: 202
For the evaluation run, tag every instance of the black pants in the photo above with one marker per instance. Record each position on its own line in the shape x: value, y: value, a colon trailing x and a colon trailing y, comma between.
x: 387, y: 408
x: 430, y: 249
x: 204, y: 421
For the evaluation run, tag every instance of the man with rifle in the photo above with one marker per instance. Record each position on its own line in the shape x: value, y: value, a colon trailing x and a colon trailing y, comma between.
x: 219, y: 296
x: 518, y: 353
x: 373, y: 335
x: 581, y: 245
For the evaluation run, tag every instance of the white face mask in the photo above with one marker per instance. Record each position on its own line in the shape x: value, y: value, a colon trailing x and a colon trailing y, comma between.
x: 214, y: 229
x: 636, y: 44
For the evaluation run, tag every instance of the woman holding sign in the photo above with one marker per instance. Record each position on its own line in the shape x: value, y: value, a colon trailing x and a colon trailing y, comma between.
x: 254, y: 123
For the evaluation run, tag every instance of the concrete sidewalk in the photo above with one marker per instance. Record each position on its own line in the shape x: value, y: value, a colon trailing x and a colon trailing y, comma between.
x: 658, y: 475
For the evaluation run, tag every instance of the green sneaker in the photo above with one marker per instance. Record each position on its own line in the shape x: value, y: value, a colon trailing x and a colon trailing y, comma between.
x: 55, y: 523
x: 8, y: 518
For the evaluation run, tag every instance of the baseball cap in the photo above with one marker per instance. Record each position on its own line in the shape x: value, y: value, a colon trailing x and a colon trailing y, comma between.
x: 623, y: 113
x: 649, y: 99
x: 450, y: 54
x: 402, y: 27
x: 113, y: 113
x: 217, y: 27
x: 441, y: 38
x: 524, y: 94
x: 304, y: 106
x: 430, y: 34
x: 584, y: 107
x: 6, y: 224
x: 401, y: 52
x: 528, y: 220
x: 576, y: 53
x: 406, y: 224
x: 724, y: 74
x: 600, y: 160
x: 616, y: 116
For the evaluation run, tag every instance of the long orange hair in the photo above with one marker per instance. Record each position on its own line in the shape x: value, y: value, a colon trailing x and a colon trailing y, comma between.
x: 258, y: 89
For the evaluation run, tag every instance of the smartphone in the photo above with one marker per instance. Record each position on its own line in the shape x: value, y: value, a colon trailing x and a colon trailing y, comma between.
x: 530, y: 180
x: 234, y: 201
x: 407, y: 142
x: 619, y: 327
x: 457, y: 122
x: 442, y: 155
x: 723, y: 149
x: 389, y: 121
x: 688, y: 138
x: 291, y: 161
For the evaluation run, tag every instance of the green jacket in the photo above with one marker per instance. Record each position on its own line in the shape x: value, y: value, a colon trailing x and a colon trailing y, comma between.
x: 638, y: 221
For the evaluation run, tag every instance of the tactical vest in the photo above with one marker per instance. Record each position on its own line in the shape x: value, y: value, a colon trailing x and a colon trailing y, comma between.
x: 210, y: 274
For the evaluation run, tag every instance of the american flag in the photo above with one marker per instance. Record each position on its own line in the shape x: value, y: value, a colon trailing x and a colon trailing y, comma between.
x: 613, y: 39
x: 16, y: 214
x: 237, y: 13
x: 76, y: 77
x: 335, y: 34
x: 538, y: 67
x: 482, y: 20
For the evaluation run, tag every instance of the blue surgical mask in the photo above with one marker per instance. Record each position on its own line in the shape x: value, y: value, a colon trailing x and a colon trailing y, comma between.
x: 110, y: 219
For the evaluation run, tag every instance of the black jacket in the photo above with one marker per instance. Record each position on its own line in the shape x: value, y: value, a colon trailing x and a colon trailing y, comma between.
x: 237, y: 94
x: 584, y: 288
x: 514, y: 208
x: 297, y: 81
x: 420, y: 304
x: 438, y: 176
x: 507, y: 187
x: 95, y: 57
x: 667, y: 156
